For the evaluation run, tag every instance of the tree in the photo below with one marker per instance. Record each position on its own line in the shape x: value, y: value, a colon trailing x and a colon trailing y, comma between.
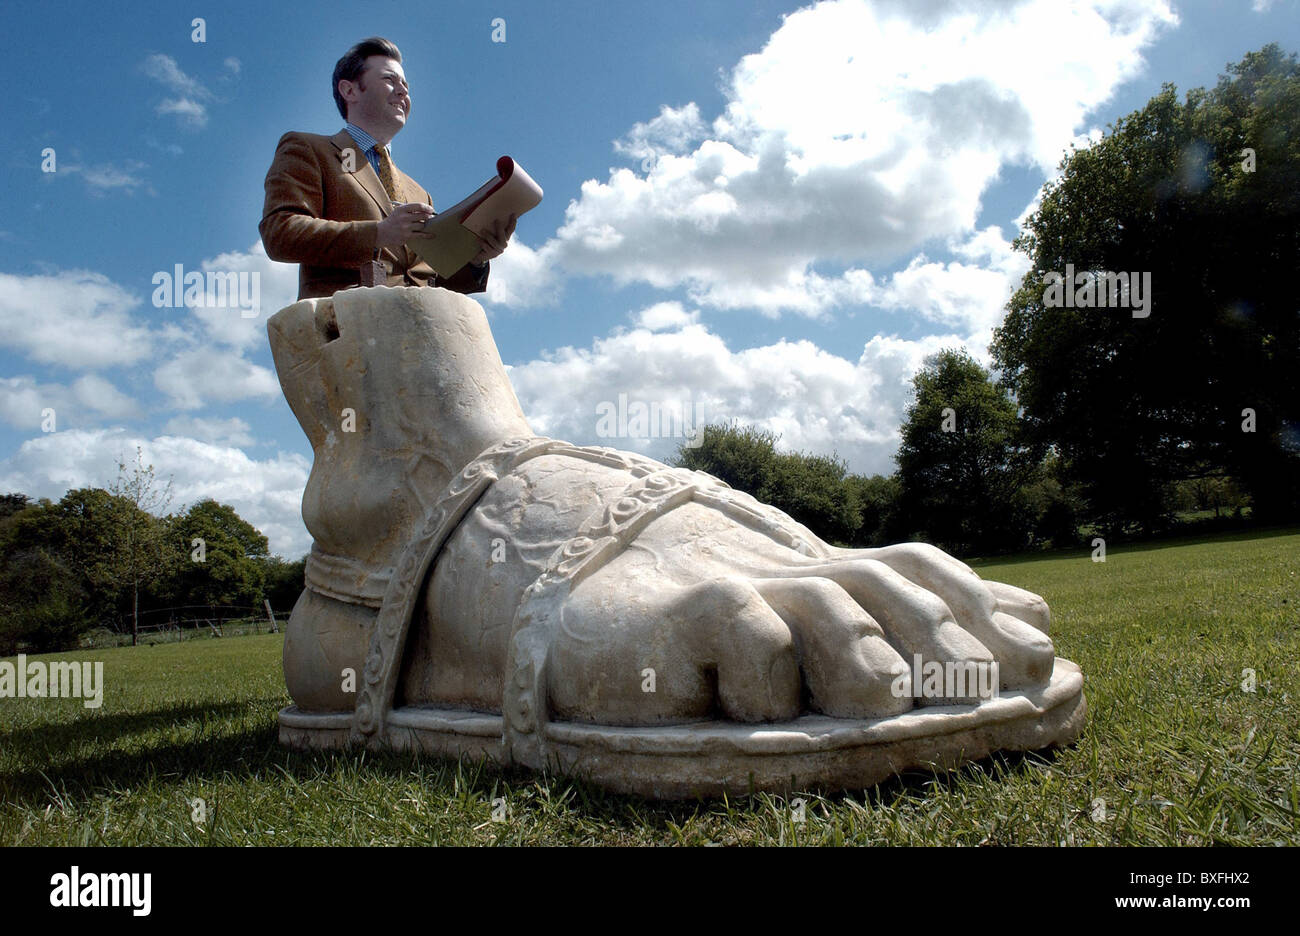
x: 43, y: 605
x: 810, y: 488
x: 75, y: 532
x: 1208, y: 492
x: 877, y: 498
x: 284, y: 581
x: 960, y: 465
x: 1203, y: 195
x: 97, y: 557
x: 11, y: 504
x: 742, y: 456
x: 1052, y: 508
x: 223, y: 557
x: 47, y: 594
x: 140, y: 553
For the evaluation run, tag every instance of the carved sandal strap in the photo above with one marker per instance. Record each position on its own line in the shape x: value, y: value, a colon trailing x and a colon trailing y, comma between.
x: 387, y: 643
x: 602, y: 537
x: 383, y: 661
x: 345, y: 579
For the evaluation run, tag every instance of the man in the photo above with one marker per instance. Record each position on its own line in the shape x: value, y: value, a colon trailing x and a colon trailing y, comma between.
x: 336, y: 203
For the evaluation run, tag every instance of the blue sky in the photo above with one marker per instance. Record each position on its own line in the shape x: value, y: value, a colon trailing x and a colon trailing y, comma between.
x: 773, y: 212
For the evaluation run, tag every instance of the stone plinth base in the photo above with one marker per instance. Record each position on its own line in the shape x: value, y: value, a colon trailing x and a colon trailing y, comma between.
x: 707, y: 759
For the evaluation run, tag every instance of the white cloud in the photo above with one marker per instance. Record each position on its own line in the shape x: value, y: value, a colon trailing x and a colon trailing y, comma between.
x: 81, y: 320
x: 189, y: 110
x: 103, y: 179
x: 278, y: 287
x: 171, y: 149
x: 96, y: 393
x: 817, y: 401
x: 163, y: 69
x: 968, y: 296
x: 211, y: 367
x: 24, y: 402
x: 189, y: 94
x: 199, y: 376
x: 232, y: 64
x: 76, y: 319
x: 673, y: 131
x: 266, y: 493
x: 664, y: 315
x: 233, y: 431
x: 523, y: 276
x: 858, y: 134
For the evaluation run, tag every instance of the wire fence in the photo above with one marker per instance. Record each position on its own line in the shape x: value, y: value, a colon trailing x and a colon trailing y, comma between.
x: 190, y: 622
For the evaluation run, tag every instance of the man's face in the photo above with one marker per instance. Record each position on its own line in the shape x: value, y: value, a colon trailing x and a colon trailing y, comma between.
x: 378, y: 101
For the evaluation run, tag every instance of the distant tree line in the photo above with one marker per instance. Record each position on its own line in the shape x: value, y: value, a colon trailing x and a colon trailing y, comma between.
x: 966, y: 479
x: 96, y: 559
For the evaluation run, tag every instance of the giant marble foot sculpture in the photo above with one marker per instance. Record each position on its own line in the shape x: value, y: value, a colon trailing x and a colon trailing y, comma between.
x: 475, y: 589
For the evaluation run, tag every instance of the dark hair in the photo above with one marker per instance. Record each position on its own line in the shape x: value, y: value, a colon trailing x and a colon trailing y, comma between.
x: 353, y: 63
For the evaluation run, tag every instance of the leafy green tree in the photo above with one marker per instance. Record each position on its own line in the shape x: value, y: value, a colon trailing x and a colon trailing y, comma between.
x: 877, y: 498
x: 1209, y: 492
x: 960, y: 465
x: 1053, y: 509
x: 77, y: 533
x: 43, y: 605
x: 140, y: 553
x: 46, y: 597
x: 810, y: 488
x: 284, y: 582
x: 742, y: 456
x: 1203, y: 195
x: 223, y: 557
x: 69, y: 566
x: 11, y: 504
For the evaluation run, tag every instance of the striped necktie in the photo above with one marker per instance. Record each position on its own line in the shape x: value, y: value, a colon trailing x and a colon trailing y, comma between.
x: 387, y: 172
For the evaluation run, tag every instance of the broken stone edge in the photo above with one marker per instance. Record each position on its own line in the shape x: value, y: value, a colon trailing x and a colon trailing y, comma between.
x: 708, y: 759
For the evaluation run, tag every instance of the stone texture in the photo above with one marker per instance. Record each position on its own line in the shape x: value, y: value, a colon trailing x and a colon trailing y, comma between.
x: 500, y: 594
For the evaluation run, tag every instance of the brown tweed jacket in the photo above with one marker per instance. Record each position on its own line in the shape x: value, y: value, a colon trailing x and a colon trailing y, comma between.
x: 324, y: 203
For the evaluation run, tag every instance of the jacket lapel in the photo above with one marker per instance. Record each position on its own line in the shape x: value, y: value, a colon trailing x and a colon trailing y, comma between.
x: 361, y: 170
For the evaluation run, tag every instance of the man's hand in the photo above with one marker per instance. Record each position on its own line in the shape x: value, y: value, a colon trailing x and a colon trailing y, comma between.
x: 403, y: 224
x: 494, y: 240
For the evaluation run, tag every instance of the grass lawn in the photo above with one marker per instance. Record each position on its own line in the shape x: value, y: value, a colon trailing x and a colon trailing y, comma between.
x: 1174, y: 753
